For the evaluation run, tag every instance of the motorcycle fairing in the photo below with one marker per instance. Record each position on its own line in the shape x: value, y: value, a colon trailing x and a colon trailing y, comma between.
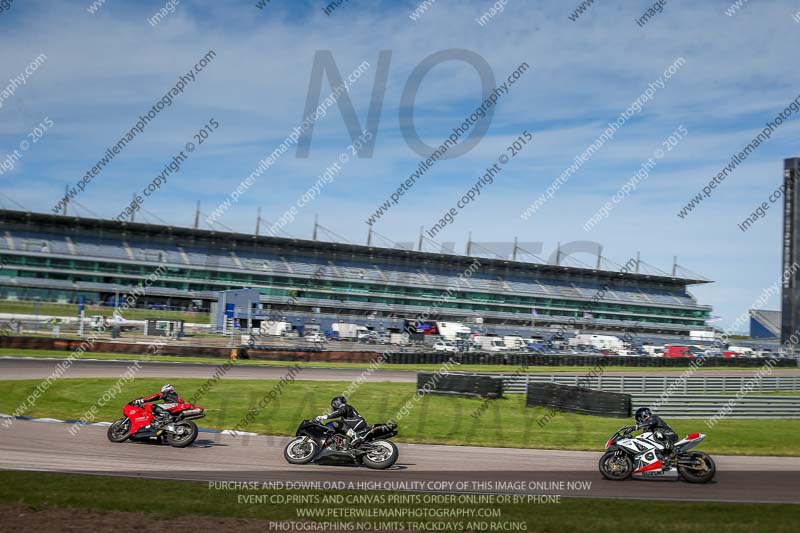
x: 142, y: 417
x: 646, y: 460
x: 690, y: 441
x: 640, y: 444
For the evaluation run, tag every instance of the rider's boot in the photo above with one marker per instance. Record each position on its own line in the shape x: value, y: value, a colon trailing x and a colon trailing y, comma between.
x: 668, y: 456
x: 354, y: 440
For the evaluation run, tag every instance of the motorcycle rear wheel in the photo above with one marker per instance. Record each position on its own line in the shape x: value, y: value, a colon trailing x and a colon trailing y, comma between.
x: 384, y: 454
x: 706, y: 471
x: 300, y: 451
x: 618, y: 459
x: 185, y: 437
x: 119, y: 431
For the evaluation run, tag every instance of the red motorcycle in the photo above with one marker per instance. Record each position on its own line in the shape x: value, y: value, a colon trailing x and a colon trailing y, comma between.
x: 140, y: 423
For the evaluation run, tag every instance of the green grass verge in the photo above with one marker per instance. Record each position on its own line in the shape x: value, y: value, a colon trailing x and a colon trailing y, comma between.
x: 433, y: 419
x: 71, y: 310
x: 41, y: 491
x: 322, y: 364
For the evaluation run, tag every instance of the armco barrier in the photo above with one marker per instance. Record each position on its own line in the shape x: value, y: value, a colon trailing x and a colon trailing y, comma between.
x: 460, y: 384
x: 707, y: 384
x: 706, y: 406
x: 579, y: 400
x: 694, y: 397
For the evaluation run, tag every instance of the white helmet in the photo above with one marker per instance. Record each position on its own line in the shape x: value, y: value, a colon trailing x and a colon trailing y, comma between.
x: 167, y: 389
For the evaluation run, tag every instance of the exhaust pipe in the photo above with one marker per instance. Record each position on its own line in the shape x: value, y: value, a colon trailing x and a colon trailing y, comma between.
x: 192, y: 414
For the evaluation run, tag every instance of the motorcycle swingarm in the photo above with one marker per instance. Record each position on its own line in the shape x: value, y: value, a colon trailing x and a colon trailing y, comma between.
x: 670, y: 473
x: 336, y: 456
x: 146, y: 434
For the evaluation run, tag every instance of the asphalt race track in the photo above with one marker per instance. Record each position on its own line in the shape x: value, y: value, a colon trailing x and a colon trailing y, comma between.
x: 48, y: 446
x: 40, y: 368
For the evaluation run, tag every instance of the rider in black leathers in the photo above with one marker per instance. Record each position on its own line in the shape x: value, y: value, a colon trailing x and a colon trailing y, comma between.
x: 351, y: 420
x: 646, y: 420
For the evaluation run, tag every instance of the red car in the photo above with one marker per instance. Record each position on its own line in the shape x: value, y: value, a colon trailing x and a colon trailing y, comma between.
x: 677, y: 351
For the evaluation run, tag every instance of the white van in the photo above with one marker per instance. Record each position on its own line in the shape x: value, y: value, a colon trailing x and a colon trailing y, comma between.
x: 490, y: 344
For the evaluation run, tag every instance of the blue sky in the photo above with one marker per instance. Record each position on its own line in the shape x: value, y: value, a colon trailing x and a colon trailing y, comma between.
x: 105, y: 69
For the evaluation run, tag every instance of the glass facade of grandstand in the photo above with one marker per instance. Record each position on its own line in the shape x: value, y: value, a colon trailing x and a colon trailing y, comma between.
x: 57, y: 259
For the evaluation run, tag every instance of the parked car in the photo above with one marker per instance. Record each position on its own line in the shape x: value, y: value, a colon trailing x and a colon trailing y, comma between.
x: 370, y: 337
x: 674, y: 350
x: 314, y: 337
x: 537, y: 347
x: 442, y: 346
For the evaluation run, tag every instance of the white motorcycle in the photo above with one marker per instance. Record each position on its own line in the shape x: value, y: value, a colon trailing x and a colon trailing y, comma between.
x: 628, y: 456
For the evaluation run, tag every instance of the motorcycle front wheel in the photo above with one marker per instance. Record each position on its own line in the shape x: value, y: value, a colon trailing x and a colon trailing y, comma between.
x: 184, y: 435
x: 698, y: 467
x: 381, y: 455
x: 616, y: 466
x: 119, y: 431
x: 300, y: 451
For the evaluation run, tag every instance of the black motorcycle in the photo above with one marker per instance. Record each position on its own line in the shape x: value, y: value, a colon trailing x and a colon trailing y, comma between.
x: 327, y: 444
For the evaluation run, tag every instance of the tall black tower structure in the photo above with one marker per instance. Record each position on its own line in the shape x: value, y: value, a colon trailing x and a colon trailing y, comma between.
x: 790, y: 313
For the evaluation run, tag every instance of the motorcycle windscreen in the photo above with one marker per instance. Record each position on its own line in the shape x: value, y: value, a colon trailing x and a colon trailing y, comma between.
x: 313, y: 430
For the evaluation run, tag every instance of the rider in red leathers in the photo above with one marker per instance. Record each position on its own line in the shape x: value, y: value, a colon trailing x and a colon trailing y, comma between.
x: 170, y: 397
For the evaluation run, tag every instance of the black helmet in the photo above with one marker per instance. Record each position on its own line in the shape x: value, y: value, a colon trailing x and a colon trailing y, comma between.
x: 337, y: 402
x: 643, y: 414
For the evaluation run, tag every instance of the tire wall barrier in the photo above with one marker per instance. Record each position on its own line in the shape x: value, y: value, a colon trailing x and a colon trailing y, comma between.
x: 70, y: 345
x: 590, y: 361
x: 184, y: 350
x: 579, y: 400
x: 308, y: 356
x: 460, y: 385
x: 276, y: 353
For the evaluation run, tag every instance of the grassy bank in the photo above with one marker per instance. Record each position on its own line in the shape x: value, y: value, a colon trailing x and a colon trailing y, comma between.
x: 433, y: 419
x: 39, y: 492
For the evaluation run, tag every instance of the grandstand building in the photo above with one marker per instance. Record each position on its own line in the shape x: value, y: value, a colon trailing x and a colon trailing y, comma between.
x: 58, y: 258
x: 765, y: 324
